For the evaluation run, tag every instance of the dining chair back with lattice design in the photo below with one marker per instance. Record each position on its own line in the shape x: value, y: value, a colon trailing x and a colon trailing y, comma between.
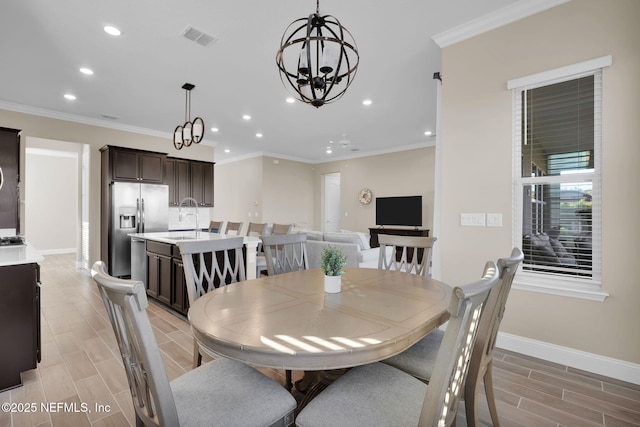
x: 217, y: 227
x: 415, y: 253
x: 210, y: 264
x: 419, y: 359
x: 257, y: 400
x: 482, y: 358
x: 379, y: 394
x: 285, y: 253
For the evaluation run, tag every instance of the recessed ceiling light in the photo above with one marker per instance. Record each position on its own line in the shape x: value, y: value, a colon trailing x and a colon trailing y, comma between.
x: 367, y: 102
x: 87, y: 71
x: 329, y: 151
x: 226, y: 150
x: 246, y: 117
x: 258, y: 135
x: 112, y: 30
x: 70, y: 97
x: 428, y: 133
x: 291, y: 100
x: 214, y: 129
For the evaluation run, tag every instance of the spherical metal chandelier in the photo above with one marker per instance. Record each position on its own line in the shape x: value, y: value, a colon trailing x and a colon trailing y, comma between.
x: 318, y: 58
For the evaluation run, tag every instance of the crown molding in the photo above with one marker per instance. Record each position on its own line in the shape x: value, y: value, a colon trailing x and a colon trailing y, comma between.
x: 504, y: 16
x: 35, y: 111
x: 325, y: 160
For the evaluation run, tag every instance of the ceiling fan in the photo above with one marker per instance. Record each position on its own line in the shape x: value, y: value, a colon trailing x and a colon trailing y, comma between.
x: 346, y: 144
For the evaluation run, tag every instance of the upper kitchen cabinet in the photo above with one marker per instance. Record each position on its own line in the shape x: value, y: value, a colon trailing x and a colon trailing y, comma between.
x: 202, y: 183
x: 179, y: 180
x: 190, y: 178
x: 136, y: 165
x: 9, y: 178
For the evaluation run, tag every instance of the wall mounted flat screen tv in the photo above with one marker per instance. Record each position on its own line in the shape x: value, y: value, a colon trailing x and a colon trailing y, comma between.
x: 405, y: 211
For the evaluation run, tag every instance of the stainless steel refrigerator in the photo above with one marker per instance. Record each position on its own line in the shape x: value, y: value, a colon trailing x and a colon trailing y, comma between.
x: 136, y: 208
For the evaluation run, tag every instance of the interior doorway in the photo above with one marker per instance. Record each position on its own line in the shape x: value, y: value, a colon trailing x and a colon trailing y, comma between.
x: 55, y: 198
x: 331, y: 196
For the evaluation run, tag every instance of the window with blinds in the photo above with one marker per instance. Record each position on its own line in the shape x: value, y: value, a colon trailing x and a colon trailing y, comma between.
x: 557, y: 146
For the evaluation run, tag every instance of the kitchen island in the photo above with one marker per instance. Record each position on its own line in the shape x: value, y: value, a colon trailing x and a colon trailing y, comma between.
x: 19, y: 312
x: 156, y: 261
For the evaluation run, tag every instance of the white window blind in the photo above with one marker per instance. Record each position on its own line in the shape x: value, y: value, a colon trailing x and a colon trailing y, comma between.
x: 557, y: 181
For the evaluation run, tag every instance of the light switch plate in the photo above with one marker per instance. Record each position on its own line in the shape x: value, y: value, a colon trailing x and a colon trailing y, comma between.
x: 473, y: 219
x: 494, y: 220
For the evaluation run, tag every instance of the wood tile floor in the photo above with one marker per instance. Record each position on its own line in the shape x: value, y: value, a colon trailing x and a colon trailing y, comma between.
x: 81, y: 366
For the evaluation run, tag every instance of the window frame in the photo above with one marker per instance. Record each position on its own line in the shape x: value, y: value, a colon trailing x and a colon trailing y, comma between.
x: 573, y: 286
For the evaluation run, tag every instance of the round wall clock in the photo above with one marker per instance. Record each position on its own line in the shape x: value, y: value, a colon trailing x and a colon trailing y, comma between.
x: 364, y: 196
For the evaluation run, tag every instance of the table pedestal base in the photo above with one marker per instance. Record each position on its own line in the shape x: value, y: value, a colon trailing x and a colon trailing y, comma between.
x: 314, y: 382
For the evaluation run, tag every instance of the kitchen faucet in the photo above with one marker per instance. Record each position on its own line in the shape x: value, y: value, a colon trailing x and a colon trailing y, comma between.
x: 180, y: 214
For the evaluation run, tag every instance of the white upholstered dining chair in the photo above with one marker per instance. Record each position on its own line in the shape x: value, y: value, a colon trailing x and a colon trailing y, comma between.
x: 419, y: 360
x: 378, y: 394
x: 209, y: 264
x: 219, y: 393
x: 415, y: 253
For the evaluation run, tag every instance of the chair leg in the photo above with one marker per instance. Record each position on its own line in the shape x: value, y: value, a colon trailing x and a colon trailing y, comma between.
x: 288, y: 383
x: 197, y: 357
x: 470, y: 394
x: 491, y: 400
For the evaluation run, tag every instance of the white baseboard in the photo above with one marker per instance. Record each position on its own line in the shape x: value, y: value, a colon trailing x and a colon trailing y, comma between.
x: 601, y: 365
x: 57, y: 251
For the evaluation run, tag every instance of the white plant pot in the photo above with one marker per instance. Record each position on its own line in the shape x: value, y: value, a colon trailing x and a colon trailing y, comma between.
x: 332, y: 284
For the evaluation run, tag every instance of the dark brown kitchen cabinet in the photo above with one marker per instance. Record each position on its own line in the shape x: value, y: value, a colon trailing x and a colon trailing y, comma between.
x: 159, y: 264
x: 189, y: 178
x: 180, y: 299
x: 19, y: 322
x: 179, y: 180
x: 9, y: 178
x: 136, y: 165
x: 202, y: 183
x: 165, y: 276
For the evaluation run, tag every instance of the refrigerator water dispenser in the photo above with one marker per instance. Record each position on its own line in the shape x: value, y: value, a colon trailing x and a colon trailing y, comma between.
x: 127, y: 217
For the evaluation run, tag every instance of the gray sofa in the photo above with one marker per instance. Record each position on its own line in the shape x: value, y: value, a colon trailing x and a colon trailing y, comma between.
x: 354, y: 245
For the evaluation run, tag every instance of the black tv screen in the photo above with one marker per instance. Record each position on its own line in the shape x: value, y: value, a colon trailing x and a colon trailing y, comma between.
x: 399, y: 211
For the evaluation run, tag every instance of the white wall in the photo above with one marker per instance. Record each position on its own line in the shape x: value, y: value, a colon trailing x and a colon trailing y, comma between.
x: 51, y: 200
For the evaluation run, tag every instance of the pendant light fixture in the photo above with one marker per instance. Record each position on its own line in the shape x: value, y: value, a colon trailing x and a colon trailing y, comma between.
x: 189, y: 132
x: 318, y: 58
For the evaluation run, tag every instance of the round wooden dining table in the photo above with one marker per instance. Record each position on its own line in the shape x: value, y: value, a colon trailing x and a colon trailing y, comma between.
x: 287, y: 321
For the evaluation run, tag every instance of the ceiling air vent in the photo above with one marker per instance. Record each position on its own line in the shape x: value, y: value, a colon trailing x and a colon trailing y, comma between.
x: 199, y: 37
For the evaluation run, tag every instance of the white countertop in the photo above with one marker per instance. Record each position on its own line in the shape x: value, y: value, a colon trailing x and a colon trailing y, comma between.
x: 19, y: 254
x: 174, y: 237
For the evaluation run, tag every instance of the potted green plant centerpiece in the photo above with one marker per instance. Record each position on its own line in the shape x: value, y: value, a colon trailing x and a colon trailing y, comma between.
x: 331, y: 261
